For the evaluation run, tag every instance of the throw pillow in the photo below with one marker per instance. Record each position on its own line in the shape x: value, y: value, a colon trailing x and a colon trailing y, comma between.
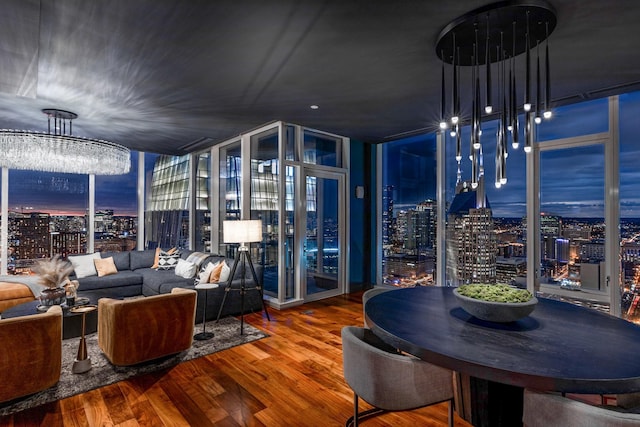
x: 105, y: 266
x: 168, y: 261
x: 186, y: 269
x: 215, y: 273
x: 222, y: 273
x: 156, y: 259
x: 83, y: 265
x: 205, y: 273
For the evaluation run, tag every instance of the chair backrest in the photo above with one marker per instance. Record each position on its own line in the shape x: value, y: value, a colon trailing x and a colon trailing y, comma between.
x: 550, y: 410
x: 387, y: 379
x: 136, y: 330
x: 31, y: 356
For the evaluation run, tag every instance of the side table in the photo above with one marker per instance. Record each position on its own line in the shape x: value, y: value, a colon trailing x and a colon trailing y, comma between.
x: 83, y: 362
x: 204, y: 335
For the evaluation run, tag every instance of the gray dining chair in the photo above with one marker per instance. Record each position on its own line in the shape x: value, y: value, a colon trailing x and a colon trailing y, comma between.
x: 388, y: 380
x: 367, y: 295
x: 554, y: 410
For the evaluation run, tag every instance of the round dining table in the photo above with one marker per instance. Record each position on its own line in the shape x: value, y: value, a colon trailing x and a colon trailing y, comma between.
x: 558, y: 347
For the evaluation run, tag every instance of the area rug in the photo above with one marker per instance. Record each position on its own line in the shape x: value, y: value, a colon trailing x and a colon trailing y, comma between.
x: 227, y: 335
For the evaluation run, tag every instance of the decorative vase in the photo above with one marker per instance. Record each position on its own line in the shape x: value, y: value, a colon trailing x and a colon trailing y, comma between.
x: 52, y: 296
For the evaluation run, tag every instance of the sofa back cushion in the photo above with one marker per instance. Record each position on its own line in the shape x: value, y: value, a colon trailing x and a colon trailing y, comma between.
x: 142, y: 259
x: 120, y: 259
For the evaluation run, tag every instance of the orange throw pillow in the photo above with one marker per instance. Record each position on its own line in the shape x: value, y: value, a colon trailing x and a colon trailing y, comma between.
x: 105, y: 266
x: 215, y: 274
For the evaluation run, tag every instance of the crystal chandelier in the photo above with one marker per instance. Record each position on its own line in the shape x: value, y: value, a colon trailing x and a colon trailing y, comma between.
x: 483, y: 46
x: 60, y: 151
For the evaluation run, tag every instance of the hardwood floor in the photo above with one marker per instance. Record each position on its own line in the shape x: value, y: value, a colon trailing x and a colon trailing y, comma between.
x: 292, y: 378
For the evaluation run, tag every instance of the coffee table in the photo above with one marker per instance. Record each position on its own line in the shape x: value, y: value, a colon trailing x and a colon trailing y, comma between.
x: 71, y: 322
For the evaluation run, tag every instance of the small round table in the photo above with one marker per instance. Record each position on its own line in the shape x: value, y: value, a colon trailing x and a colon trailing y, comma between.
x: 82, y: 363
x: 204, y: 335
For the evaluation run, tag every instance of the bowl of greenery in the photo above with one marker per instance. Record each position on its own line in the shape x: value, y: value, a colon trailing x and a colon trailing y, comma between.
x: 495, y: 303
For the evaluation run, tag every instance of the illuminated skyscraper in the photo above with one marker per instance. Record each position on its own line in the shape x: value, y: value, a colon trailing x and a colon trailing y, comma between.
x: 471, y: 240
x: 387, y: 214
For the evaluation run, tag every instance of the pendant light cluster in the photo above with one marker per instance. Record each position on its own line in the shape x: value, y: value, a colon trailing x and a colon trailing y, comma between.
x: 486, y: 46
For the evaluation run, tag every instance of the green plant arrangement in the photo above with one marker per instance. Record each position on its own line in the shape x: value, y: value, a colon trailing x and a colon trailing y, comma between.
x: 495, y: 293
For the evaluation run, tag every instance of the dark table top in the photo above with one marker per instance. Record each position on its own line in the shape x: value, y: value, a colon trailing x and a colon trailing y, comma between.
x: 31, y: 307
x: 559, y: 347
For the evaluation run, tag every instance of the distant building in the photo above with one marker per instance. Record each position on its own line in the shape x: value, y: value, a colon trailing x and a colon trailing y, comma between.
x: 471, y: 239
x: 31, y: 237
x: 508, y: 270
x: 387, y: 214
x: 592, y: 251
x: 550, y: 225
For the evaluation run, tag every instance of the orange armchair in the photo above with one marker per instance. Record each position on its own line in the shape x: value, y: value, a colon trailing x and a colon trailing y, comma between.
x: 137, y: 330
x: 31, y: 355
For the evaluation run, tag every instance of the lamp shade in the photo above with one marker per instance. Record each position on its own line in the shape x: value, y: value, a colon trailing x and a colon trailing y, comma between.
x: 242, y: 231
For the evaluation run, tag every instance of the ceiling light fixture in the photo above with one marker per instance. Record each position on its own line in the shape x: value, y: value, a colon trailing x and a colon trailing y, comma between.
x: 60, y: 151
x: 496, y: 35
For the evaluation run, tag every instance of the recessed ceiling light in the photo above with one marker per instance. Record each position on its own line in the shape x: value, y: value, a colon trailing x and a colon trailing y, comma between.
x: 314, y: 107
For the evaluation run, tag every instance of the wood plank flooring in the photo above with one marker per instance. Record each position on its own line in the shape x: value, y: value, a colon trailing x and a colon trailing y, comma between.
x: 292, y: 378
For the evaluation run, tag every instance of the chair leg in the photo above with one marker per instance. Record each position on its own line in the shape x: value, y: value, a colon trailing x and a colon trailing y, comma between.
x: 356, y: 417
x: 451, y: 413
x: 355, y: 409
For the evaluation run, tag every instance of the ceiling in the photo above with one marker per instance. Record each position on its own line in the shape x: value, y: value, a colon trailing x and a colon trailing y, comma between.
x: 171, y: 76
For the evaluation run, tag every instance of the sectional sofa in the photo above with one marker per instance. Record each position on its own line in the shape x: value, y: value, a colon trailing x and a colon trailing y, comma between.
x: 135, y: 276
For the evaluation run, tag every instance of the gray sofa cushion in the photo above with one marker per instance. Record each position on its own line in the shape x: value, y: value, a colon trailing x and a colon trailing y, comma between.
x: 162, y: 281
x: 122, y: 278
x: 120, y: 259
x: 142, y: 259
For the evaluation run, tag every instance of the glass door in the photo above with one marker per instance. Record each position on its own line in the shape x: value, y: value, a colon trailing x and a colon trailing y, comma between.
x: 324, y: 248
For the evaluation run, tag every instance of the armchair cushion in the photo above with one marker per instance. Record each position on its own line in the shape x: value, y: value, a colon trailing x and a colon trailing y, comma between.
x: 137, y: 330
x: 28, y: 368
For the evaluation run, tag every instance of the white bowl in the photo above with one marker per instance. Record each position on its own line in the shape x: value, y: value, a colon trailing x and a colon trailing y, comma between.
x: 501, y: 312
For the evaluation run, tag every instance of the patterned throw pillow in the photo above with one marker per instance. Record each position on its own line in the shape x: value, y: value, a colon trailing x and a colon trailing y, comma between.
x: 168, y: 261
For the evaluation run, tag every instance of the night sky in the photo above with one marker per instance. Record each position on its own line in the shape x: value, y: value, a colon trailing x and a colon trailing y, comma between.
x: 572, y: 180
x: 66, y: 194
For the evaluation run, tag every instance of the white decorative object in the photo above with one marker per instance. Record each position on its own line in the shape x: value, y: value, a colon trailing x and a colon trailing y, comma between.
x: 242, y: 231
x: 59, y: 152
x: 83, y: 265
x: 186, y: 269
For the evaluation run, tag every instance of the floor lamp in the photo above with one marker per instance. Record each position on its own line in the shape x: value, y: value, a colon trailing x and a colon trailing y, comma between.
x: 242, y: 232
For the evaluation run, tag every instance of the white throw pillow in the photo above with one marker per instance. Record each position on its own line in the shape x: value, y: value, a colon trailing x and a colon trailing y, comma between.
x: 83, y: 265
x: 203, y: 277
x: 186, y: 269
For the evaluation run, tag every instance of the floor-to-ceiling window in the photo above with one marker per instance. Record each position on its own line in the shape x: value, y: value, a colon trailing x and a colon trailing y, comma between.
x: 294, y: 180
x: 576, y: 185
x: 116, y: 204
x: 409, y: 208
x: 202, y: 214
x: 47, y: 216
x: 167, y: 207
x: 629, y: 207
